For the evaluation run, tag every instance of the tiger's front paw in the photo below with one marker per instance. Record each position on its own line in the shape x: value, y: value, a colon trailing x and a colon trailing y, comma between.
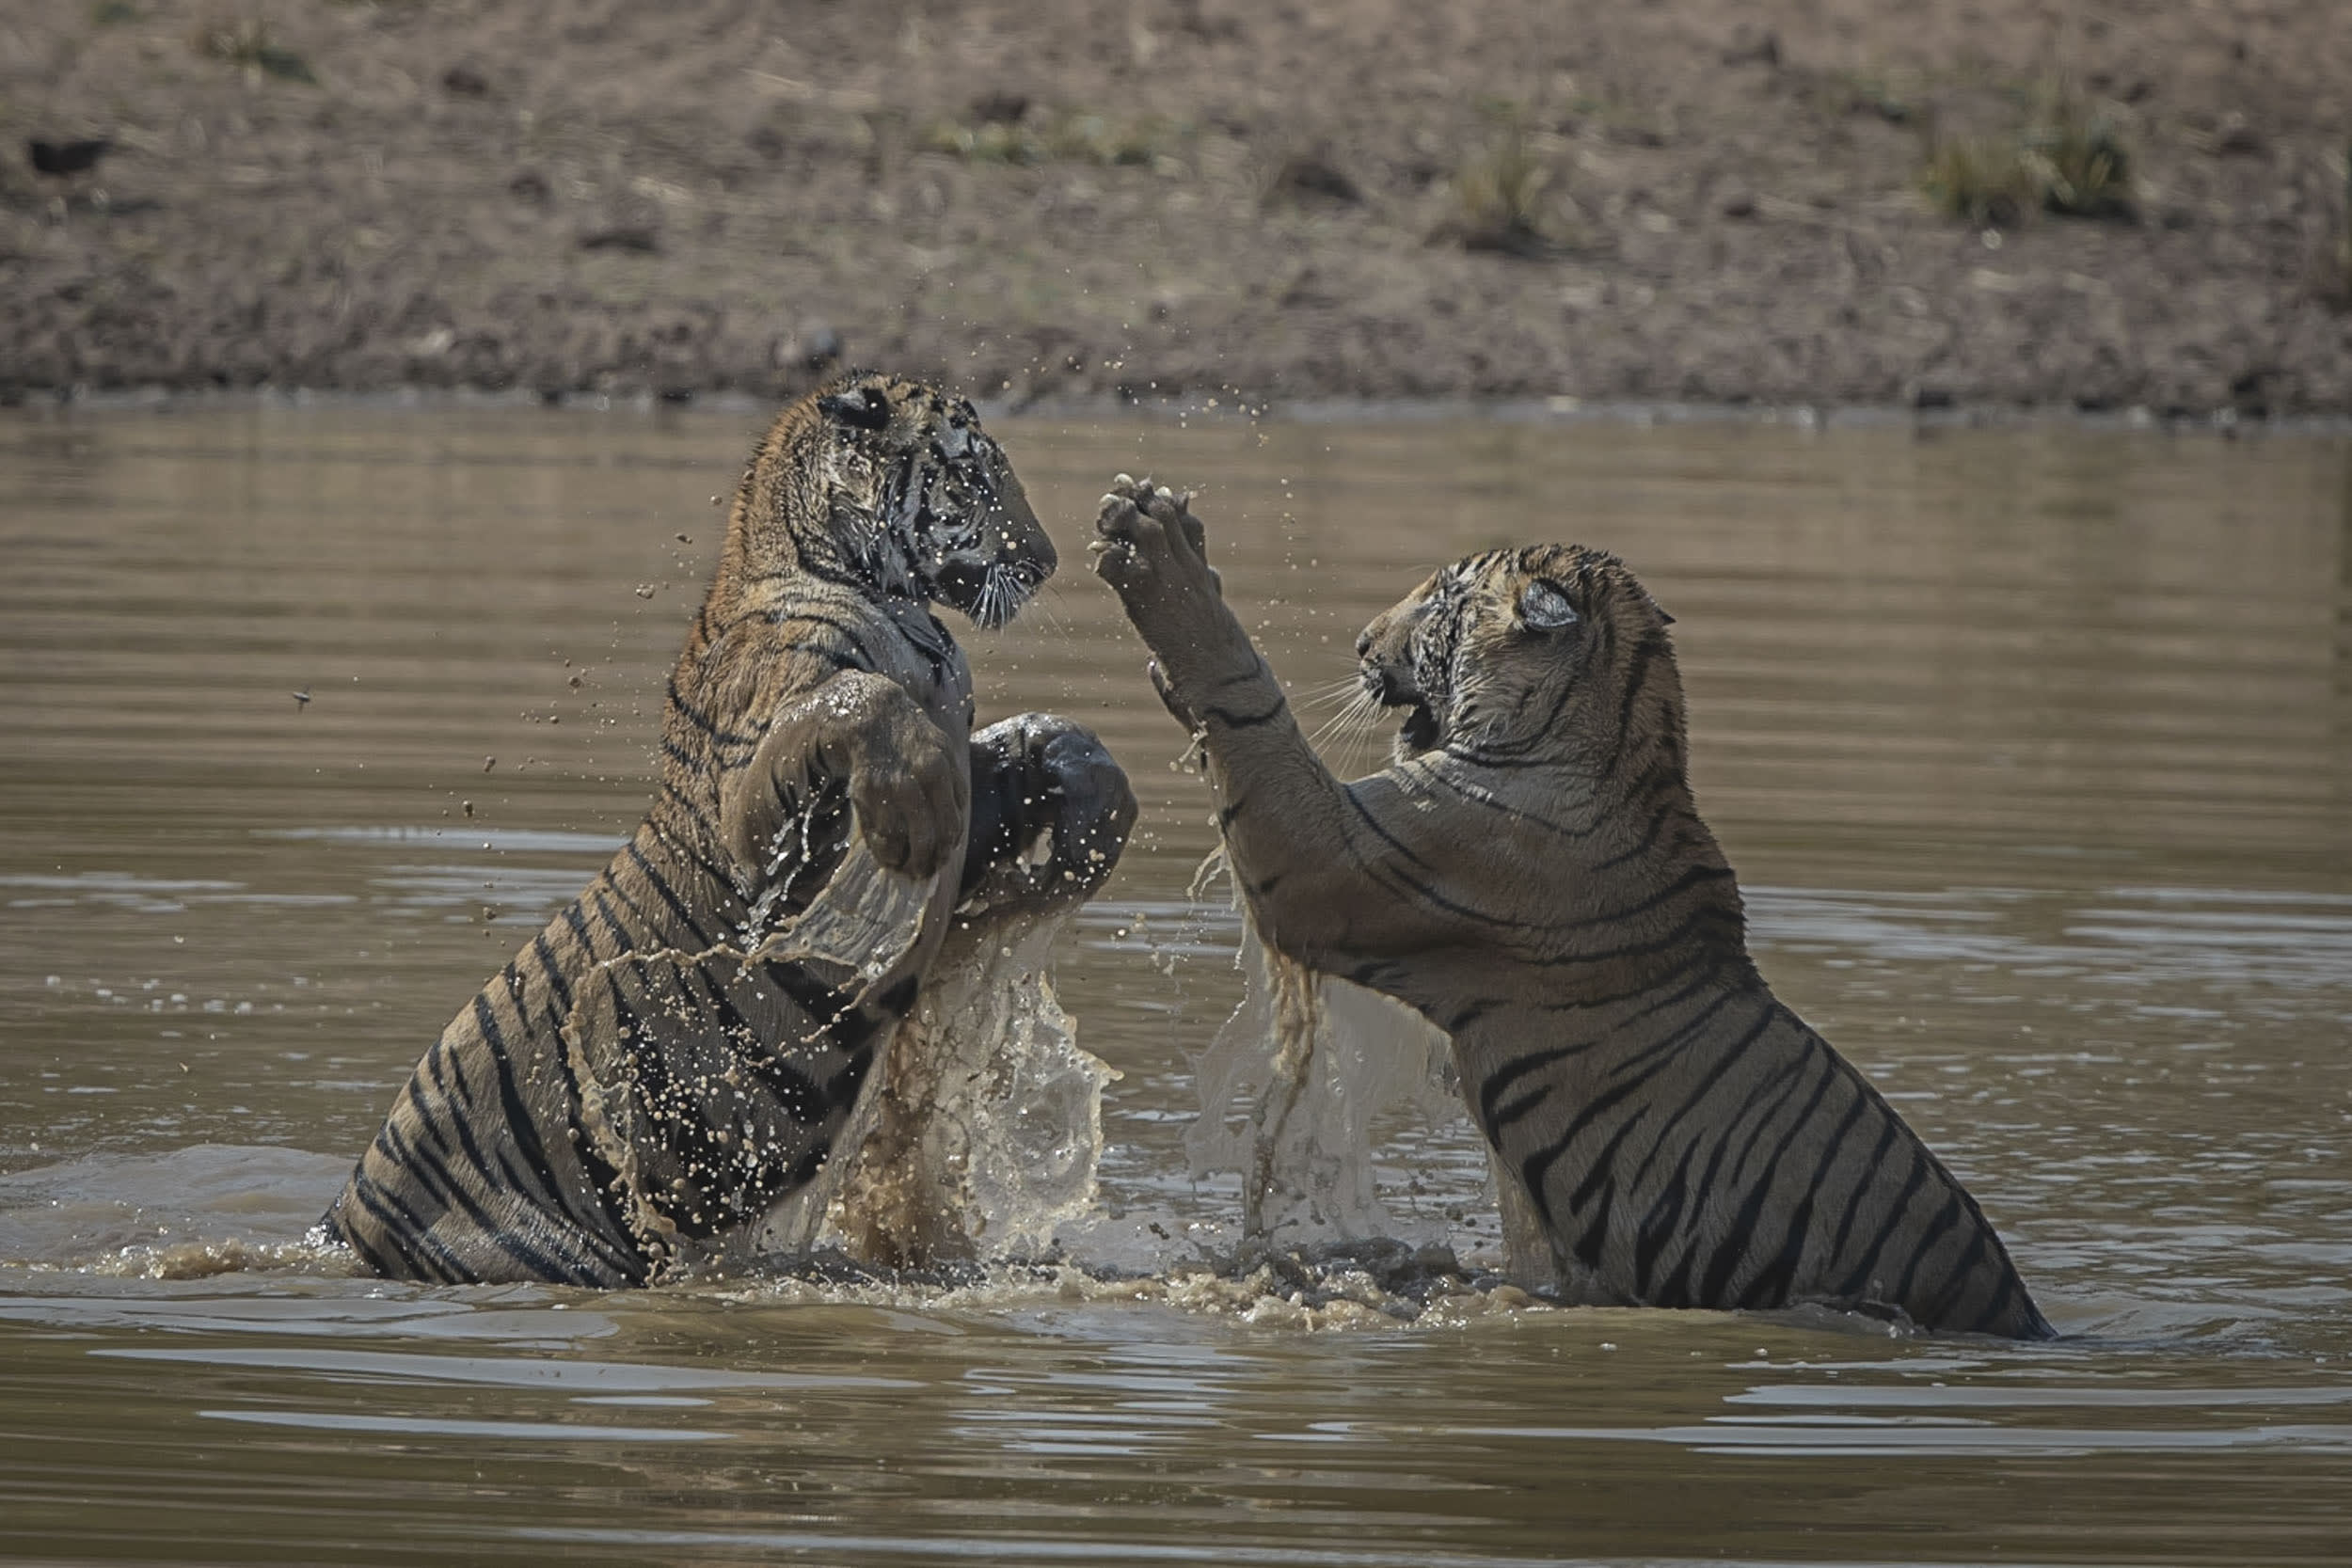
x: 1153, y: 551
x: 1051, y: 810
x: 910, y: 795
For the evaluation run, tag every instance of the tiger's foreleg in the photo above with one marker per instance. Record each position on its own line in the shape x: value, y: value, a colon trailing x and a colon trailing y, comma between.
x: 1051, y: 812
x: 905, y: 777
x: 1303, y: 846
x: 984, y: 1046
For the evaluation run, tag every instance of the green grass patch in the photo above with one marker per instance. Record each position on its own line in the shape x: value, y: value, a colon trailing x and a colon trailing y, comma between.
x: 1502, y: 199
x: 2070, y: 158
x: 250, y: 45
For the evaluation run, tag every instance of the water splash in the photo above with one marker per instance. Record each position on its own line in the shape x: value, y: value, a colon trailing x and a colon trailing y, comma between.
x: 1290, y: 1089
x: 985, y: 1135
x: 981, y: 1133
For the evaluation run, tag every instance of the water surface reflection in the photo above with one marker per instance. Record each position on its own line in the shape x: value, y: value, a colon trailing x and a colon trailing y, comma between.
x: 2032, y: 748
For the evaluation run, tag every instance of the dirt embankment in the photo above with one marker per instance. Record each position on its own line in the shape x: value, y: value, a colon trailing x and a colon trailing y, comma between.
x: 1691, y: 199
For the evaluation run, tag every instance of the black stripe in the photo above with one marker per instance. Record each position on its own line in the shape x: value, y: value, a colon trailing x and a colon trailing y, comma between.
x: 1481, y: 797
x: 439, y: 1182
x: 1955, y: 1278
x: 1860, y: 1277
x: 619, y: 1246
x: 1499, y: 1119
x: 435, y: 1056
x: 1233, y: 720
x: 1602, y: 1164
x: 624, y: 940
x: 418, y: 1246
x: 1770, y: 1286
x: 704, y: 723
x: 1690, y: 878
x: 684, y: 758
x: 1723, y: 1143
x: 1680, y: 936
x: 1867, y: 1181
x: 1796, y: 1125
x: 1513, y: 1071
x: 1708, y: 973
x: 1660, y: 1224
x: 1682, y: 1033
x: 1386, y: 837
x: 579, y: 922
x: 462, y: 1125
x: 1636, y: 681
x: 1602, y: 1182
x: 1533, y: 1168
x: 381, y: 1264
x: 559, y: 988
x: 668, y: 894
x: 1669, y: 807
x: 1996, y: 1310
x: 1708, y: 1083
x: 1783, y: 1265
x: 1938, y: 1228
x: 718, y: 882
x: 695, y: 809
x: 517, y: 1114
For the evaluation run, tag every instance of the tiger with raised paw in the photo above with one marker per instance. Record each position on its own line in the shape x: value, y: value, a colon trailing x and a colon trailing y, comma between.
x: 1531, y: 874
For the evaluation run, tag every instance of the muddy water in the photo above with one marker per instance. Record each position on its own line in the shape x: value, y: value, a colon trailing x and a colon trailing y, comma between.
x: 2032, y: 748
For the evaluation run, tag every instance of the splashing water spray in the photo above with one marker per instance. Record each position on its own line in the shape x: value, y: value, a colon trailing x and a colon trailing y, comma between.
x: 1290, y: 1089
x: 982, y: 1133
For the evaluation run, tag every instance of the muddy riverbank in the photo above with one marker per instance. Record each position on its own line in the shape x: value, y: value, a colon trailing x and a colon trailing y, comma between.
x: 1699, y: 201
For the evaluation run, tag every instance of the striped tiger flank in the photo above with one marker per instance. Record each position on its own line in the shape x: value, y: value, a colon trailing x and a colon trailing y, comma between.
x: 1531, y: 873
x: 635, y: 1088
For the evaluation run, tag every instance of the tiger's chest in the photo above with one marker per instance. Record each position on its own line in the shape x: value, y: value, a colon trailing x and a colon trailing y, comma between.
x: 928, y: 663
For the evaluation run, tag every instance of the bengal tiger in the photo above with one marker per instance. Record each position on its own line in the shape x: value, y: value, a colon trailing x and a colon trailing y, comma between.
x: 1531, y: 874
x: 650, y: 1079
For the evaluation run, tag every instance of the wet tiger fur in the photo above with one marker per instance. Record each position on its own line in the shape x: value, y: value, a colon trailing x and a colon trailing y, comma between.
x: 633, y: 1091
x: 1531, y: 875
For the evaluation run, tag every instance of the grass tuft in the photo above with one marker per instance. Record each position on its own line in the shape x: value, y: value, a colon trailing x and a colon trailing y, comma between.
x: 2070, y: 159
x: 2079, y: 160
x: 250, y: 45
x: 1500, y: 201
x: 1983, y: 182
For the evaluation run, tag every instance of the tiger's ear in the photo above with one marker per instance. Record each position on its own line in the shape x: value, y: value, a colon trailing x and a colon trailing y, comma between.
x: 1663, y: 614
x: 1544, y: 606
x: 865, y: 408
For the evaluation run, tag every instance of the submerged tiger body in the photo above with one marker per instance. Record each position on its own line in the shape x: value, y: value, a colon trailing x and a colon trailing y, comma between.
x: 1531, y: 874
x: 651, y: 1081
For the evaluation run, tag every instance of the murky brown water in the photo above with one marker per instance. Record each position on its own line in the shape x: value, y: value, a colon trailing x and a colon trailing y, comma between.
x: 2034, y: 749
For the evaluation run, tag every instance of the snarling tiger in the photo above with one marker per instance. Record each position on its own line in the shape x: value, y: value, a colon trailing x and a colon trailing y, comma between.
x: 659, y: 1073
x: 1531, y: 875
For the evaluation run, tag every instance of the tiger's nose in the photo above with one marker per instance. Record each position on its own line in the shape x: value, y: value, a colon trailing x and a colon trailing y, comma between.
x: 1363, y: 643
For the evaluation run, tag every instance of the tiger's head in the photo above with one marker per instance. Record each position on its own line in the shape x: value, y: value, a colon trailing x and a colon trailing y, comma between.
x: 1548, y: 653
x: 909, y: 497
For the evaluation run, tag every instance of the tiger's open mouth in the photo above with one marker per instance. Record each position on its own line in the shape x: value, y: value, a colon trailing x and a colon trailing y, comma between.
x: 1421, y: 728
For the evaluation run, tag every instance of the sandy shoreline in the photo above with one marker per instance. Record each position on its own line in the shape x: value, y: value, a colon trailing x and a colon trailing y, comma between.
x: 1719, y: 203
